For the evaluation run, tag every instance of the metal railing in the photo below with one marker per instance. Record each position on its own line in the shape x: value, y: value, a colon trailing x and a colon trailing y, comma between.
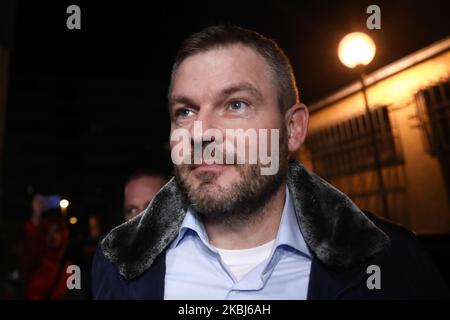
x: 433, y: 112
x: 345, y: 148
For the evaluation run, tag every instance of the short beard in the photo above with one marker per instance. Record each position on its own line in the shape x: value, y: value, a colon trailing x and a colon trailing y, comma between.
x: 239, y: 204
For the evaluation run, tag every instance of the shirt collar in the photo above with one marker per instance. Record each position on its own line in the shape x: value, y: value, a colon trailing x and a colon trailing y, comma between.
x: 191, y: 222
x: 289, y: 233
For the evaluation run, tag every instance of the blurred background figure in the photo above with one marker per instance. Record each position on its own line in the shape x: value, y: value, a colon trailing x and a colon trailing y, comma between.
x: 95, y: 229
x: 44, y: 260
x: 140, y: 188
x: 89, y: 244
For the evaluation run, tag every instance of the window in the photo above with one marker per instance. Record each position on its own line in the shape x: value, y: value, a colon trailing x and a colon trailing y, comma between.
x: 433, y: 106
x: 346, y: 147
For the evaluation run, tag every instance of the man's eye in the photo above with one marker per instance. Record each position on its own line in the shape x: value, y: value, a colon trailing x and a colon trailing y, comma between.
x: 130, y: 211
x: 237, y: 105
x: 184, y: 113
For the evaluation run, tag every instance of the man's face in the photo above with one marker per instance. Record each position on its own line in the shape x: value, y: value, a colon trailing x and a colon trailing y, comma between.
x: 138, y: 194
x: 226, y: 88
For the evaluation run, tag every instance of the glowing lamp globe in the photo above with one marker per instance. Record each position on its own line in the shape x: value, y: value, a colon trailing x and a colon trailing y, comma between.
x: 356, y: 49
x: 64, y: 203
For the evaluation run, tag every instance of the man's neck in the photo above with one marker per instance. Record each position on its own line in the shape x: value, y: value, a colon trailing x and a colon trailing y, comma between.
x: 256, y: 232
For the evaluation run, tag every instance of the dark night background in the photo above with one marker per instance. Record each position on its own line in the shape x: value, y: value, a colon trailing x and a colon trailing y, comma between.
x: 88, y: 107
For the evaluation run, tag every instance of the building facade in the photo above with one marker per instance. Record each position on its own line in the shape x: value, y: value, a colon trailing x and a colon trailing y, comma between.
x: 410, y: 109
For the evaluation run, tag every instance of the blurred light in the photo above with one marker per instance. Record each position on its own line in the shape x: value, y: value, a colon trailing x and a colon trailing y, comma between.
x: 73, y: 220
x: 64, y: 203
x: 355, y: 49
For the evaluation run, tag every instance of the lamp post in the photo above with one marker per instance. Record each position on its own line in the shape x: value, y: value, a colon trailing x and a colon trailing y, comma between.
x: 356, y: 50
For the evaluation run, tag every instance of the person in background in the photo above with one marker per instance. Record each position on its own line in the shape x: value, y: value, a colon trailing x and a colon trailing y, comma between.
x: 140, y: 188
x: 46, y: 276
x: 34, y: 242
x: 95, y: 229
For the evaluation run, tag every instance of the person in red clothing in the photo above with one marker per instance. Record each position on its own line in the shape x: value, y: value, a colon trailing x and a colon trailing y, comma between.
x: 44, y: 264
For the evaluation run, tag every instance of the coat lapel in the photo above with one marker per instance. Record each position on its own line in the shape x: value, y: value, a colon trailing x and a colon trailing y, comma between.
x: 134, y: 245
x: 150, y: 285
x: 336, y: 230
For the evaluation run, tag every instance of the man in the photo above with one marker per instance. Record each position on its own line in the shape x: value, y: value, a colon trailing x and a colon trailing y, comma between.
x: 140, y: 189
x: 225, y: 230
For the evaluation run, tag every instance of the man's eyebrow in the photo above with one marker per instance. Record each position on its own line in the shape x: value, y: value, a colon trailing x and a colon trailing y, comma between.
x: 244, y: 86
x: 238, y: 87
x: 173, y: 100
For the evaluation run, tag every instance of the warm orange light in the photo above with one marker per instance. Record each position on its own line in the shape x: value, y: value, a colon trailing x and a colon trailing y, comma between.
x: 355, y: 49
x: 73, y: 220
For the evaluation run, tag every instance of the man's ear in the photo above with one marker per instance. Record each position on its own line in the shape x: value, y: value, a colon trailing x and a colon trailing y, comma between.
x: 296, y: 120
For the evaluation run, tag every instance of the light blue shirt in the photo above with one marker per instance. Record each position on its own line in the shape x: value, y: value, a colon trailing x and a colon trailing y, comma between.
x: 194, y: 269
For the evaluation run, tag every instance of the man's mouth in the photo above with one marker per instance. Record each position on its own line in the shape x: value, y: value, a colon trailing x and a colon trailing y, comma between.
x: 209, y: 167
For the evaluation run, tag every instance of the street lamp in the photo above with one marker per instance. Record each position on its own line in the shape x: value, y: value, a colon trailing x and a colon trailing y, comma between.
x: 356, y: 50
x: 64, y: 204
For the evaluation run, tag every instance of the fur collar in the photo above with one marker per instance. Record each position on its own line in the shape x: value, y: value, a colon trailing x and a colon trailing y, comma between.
x: 338, y: 233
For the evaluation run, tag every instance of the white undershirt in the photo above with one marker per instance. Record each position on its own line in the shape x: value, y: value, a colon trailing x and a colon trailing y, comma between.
x: 242, y: 261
